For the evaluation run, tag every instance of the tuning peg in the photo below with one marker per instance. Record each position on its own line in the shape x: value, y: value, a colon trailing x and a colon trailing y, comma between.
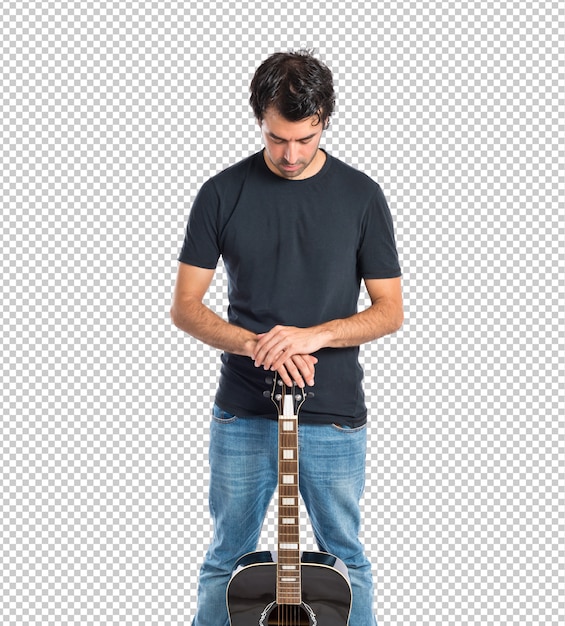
x: 298, y: 397
x: 278, y: 397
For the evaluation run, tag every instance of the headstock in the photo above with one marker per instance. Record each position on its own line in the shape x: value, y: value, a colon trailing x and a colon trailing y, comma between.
x: 287, y: 400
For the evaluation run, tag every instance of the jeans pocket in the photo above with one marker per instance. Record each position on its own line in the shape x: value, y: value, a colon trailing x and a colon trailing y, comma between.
x: 221, y: 416
x: 349, y: 429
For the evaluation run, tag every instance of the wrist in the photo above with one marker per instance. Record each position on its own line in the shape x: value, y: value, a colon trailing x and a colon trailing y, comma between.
x: 327, y: 334
x: 249, y: 345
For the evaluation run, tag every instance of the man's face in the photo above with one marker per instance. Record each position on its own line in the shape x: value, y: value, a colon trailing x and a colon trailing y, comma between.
x: 291, y: 148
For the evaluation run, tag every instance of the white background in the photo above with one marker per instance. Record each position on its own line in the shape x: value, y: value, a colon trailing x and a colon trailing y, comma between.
x: 112, y: 116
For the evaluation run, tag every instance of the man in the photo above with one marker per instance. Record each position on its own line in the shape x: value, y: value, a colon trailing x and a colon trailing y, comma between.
x: 298, y: 230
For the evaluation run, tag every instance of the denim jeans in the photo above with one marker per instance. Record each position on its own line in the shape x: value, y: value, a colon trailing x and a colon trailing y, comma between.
x: 243, y: 478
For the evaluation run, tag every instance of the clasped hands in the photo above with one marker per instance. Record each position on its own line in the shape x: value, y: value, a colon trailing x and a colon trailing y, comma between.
x: 288, y: 351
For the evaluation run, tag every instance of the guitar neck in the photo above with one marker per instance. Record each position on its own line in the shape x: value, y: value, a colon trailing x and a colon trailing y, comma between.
x: 288, y: 564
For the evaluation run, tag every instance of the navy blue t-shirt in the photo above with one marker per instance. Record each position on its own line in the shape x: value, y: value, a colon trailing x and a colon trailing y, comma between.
x: 294, y: 252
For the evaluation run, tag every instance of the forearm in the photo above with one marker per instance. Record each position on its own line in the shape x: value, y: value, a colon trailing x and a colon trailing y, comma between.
x: 372, y: 323
x: 281, y: 342
x: 197, y: 320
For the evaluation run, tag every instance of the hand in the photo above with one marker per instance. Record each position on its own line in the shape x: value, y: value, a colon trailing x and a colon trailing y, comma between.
x: 281, y: 343
x: 299, y: 369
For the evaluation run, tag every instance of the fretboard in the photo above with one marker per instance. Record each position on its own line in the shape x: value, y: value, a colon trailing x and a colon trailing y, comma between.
x: 288, y: 562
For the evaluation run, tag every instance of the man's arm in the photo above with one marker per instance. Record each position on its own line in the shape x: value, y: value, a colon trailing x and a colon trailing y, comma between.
x: 193, y: 317
x: 384, y: 316
x: 190, y: 314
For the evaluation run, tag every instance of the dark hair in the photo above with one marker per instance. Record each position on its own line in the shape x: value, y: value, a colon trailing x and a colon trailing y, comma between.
x: 296, y: 84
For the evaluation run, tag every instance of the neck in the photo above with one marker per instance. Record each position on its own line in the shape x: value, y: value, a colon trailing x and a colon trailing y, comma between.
x: 288, y: 562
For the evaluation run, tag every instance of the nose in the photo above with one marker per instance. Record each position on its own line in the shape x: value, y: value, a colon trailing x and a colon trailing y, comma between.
x: 290, y: 153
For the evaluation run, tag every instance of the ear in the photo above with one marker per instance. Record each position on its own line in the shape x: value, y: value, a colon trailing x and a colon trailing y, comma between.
x: 325, y: 122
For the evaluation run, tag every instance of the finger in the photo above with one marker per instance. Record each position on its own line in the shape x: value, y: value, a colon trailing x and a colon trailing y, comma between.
x: 305, y: 366
x: 275, y: 355
x: 265, y: 356
x: 304, y: 362
x: 294, y: 373
x: 268, y: 341
x: 268, y: 347
x: 283, y: 373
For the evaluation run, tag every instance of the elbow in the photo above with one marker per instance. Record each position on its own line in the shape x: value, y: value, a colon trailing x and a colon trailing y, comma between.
x: 174, y: 314
x: 399, y: 320
x: 396, y: 321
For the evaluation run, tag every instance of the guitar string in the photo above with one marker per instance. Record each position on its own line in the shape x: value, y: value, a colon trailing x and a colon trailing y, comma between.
x: 290, y: 613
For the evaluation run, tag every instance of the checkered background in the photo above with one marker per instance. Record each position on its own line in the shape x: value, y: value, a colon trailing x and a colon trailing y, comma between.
x: 112, y: 116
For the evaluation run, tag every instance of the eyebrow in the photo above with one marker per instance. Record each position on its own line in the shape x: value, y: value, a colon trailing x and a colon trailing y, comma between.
x: 276, y: 137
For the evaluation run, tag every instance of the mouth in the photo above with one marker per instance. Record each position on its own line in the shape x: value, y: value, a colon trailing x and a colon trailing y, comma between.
x: 290, y: 168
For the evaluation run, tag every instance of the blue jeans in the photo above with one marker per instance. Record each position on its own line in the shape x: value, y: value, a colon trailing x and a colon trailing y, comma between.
x: 243, y: 478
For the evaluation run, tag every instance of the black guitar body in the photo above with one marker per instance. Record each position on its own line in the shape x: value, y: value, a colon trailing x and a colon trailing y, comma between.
x: 326, y: 594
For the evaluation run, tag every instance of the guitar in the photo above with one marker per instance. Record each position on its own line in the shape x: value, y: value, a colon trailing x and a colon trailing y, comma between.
x: 288, y: 588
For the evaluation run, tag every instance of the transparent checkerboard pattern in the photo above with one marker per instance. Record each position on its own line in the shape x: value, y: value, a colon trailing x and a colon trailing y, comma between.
x: 112, y: 116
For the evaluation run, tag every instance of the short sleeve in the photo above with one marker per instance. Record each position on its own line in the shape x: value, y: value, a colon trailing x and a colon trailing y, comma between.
x: 377, y: 254
x: 200, y: 246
